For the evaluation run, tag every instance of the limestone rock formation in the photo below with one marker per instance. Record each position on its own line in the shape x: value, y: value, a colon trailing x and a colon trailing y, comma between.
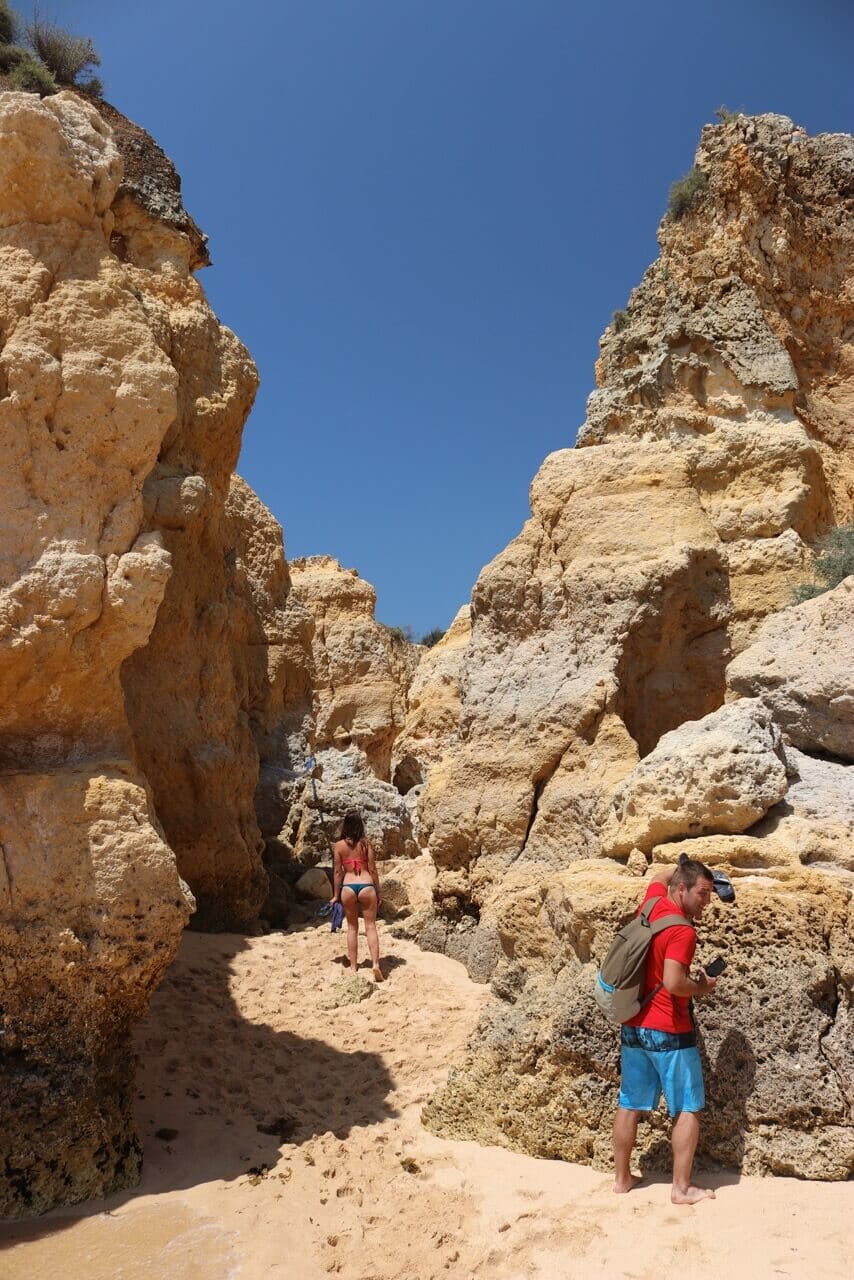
x: 188, y: 690
x: 91, y: 903
x: 362, y: 669
x: 344, y: 782
x: 802, y: 667
x: 277, y: 631
x: 433, y: 707
x: 717, y: 450
x: 542, y: 1072
x: 719, y: 774
x: 91, y: 909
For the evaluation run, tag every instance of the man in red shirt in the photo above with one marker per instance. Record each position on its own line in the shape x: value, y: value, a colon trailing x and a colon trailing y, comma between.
x: 658, y: 1047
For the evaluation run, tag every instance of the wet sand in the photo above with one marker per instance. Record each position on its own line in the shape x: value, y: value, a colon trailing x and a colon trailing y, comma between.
x: 283, y: 1139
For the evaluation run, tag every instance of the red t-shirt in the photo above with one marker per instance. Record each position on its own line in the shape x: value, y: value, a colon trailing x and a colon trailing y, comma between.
x: 665, y: 1012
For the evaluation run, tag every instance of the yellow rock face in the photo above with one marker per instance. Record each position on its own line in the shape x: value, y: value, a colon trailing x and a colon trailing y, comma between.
x: 91, y: 911
x: 715, y: 454
x: 121, y: 405
x: 541, y: 1074
x: 433, y: 706
x: 362, y: 668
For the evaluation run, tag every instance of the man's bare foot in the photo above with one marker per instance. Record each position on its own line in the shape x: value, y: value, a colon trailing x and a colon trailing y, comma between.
x: 691, y: 1195
x: 620, y: 1187
x: 379, y: 976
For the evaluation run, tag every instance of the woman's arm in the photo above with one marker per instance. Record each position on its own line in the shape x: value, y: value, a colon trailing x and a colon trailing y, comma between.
x: 337, y: 874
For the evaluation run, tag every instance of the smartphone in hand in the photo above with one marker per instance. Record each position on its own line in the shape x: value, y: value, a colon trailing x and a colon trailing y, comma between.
x: 714, y: 967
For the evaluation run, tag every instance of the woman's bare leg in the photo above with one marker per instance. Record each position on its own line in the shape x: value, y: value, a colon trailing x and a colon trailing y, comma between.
x: 350, y: 904
x: 368, y: 902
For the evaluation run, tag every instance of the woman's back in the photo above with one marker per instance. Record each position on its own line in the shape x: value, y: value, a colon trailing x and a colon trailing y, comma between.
x: 354, y: 856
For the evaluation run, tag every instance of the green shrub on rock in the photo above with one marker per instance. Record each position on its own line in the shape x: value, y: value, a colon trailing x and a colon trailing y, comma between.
x: 685, y: 193
x: 835, y: 563
x: 431, y: 637
x: 8, y: 24
x: 31, y: 76
x: 70, y: 58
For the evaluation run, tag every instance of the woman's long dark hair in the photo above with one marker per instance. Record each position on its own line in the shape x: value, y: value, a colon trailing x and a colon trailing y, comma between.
x: 352, y: 828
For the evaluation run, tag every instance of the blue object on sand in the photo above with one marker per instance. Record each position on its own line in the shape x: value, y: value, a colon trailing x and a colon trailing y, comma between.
x: 337, y: 916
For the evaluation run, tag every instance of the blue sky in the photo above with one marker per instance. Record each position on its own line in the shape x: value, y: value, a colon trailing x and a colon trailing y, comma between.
x: 422, y: 214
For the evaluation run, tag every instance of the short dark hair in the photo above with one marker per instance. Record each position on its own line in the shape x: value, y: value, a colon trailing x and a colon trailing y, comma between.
x: 352, y: 827
x: 689, y: 871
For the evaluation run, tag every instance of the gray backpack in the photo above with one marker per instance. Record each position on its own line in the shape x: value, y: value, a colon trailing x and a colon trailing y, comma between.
x: 620, y: 980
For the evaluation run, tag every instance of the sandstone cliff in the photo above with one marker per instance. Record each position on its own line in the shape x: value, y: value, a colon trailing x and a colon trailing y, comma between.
x: 91, y: 903
x: 187, y: 690
x: 359, y: 674
x: 362, y: 669
x: 716, y: 452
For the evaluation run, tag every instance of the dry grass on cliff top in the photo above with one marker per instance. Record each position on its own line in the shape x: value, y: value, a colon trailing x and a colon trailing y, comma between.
x: 240, y: 1041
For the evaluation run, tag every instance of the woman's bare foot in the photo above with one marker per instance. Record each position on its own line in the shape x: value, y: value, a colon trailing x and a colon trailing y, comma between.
x: 691, y: 1195
x: 620, y: 1188
x: 379, y: 976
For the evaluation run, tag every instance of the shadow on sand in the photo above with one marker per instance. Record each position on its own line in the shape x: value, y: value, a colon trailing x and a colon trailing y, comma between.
x: 219, y: 1095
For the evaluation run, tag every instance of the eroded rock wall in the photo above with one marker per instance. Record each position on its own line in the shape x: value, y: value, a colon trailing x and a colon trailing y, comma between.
x: 716, y: 452
x: 715, y: 456
x: 91, y: 902
x: 362, y: 669
x: 188, y: 690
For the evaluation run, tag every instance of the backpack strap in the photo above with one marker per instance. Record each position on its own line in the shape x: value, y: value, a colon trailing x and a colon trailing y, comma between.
x: 656, y: 927
x: 668, y: 922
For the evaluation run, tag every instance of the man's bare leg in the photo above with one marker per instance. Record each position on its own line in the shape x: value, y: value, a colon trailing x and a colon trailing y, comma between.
x: 686, y: 1131
x: 625, y: 1133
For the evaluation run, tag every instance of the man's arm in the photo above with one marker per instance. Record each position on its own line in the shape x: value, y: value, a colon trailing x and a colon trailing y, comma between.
x: 678, y: 983
x: 662, y: 876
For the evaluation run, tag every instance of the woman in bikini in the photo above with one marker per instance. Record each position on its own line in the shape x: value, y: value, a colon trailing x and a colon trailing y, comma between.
x: 356, y: 884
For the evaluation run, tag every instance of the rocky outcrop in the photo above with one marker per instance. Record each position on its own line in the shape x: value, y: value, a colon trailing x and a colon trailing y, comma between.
x: 91, y: 909
x: 541, y: 1074
x: 188, y: 690
x: 802, y: 667
x: 719, y: 774
x: 715, y: 454
x: 91, y: 903
x: 433, y: 707
x: 343, y: 781
x: 362, y: 669
x: 278, y: 632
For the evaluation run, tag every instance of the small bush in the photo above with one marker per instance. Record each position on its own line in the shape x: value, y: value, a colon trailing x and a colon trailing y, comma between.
x: 619, y: 321
x: 11, y: 55
x: 32, y: 76
x: 724, y: 114
x: 835, y: 563
x: 431, y: 637
x: 401, y: 634
x: 70, y: 58
x: 8, y: 23
x: 685, y: 193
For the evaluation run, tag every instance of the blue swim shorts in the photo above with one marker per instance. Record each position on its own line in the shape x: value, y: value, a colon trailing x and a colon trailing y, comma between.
x: 656, y: 1062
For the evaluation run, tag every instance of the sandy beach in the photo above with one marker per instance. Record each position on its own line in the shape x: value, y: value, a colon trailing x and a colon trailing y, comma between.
x: 283, y: 1139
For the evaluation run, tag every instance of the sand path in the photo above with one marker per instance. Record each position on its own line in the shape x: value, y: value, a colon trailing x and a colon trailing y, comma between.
x: 348, y: 1184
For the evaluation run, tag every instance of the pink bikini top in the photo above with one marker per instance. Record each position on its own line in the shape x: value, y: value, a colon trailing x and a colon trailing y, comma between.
x: 353, y: 864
